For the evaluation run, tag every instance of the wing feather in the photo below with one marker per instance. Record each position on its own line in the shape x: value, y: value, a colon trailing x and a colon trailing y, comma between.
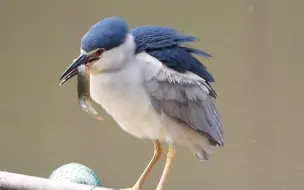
x: 185, y: 97
x: 168, y: 46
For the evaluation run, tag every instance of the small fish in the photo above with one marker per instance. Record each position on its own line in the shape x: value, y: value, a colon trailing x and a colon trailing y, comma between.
x: 83, y: 89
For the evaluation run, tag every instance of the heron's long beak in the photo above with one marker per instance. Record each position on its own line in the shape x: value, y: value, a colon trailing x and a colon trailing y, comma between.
x: 71, y: 71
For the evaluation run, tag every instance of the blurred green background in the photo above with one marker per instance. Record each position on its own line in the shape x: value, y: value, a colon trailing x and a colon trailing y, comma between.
x: 257, y: 48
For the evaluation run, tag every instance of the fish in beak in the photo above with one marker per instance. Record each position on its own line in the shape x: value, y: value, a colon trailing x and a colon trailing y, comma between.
x: 72, y: 70
x: 78, y: 67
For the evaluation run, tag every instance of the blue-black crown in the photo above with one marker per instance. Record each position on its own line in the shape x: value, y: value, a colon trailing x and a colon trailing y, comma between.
x: 108, y: 33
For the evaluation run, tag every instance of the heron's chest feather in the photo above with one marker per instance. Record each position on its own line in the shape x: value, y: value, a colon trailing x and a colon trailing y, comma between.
x: 127, y: 102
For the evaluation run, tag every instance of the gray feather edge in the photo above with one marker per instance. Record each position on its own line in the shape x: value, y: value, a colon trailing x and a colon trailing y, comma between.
x: 187, y: 98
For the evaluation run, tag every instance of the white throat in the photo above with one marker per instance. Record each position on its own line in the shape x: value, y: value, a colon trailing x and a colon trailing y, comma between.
x: 118, y: 76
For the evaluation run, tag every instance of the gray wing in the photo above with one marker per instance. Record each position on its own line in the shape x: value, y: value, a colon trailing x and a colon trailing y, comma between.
x: 187, y: 98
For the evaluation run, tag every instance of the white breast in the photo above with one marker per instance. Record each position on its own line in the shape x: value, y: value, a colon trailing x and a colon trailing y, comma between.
x: 122, y: 96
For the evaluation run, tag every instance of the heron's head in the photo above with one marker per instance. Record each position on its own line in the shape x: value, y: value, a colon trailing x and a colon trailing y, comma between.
x: 104, y: 48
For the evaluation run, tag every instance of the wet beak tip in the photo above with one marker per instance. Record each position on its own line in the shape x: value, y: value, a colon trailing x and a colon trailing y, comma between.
x: 71, y: 71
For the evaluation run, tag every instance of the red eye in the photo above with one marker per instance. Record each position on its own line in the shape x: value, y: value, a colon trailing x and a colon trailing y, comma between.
x: 99, y: 52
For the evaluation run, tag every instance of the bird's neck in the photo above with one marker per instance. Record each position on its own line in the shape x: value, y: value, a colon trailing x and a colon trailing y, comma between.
x: 108, y: 87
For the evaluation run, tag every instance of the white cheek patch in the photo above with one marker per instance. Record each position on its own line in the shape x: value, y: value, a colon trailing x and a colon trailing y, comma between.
x: 96, y: 67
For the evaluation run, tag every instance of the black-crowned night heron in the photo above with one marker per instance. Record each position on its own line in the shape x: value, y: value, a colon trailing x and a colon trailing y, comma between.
x: 152, y: 86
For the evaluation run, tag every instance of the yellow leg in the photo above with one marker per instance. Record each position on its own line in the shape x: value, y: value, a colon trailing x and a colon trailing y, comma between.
x: 144, y: 175
x: 170, y: 158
